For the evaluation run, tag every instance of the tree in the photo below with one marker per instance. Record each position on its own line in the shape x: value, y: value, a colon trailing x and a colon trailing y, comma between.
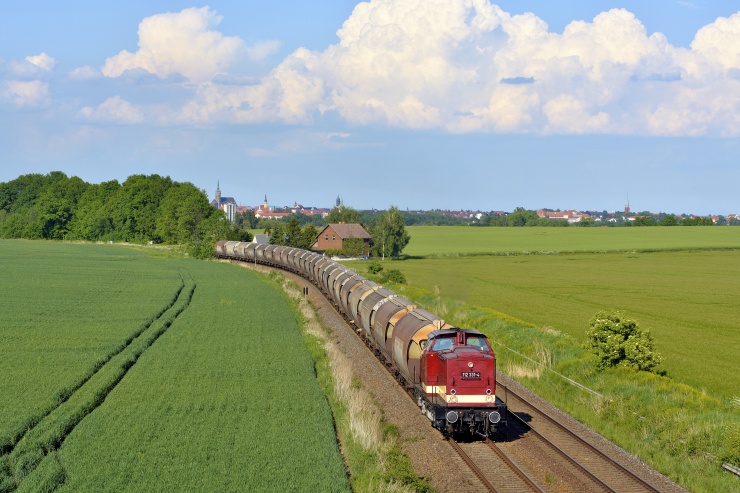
x: 619, y: 341
x: 353, y: 247
x: 389, y: 234
x: 57, y: 206
x: 522, y: 217
x: 181, y: 211
x: 135, y: 207
x: 247, y: 219
x: 669, y: 220
x: 92, y: 221
x: 291, y: 234
x: 342, y: 214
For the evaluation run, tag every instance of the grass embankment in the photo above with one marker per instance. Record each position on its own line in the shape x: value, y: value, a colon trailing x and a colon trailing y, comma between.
x: 218, y: 392
x: 536, y: 308
x: 370, y: 445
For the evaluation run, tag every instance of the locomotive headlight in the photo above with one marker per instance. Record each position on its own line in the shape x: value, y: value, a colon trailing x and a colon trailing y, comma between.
x: 489, y: 398
x: 470, y: 364
x: 453, y: 399
x: 494, y: 417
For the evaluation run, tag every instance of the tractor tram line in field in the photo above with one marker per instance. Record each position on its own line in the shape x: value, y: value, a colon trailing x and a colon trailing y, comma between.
x: 40, y: 442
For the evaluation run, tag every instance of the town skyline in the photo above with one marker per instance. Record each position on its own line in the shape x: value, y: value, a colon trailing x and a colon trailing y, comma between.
x: 263, y: 207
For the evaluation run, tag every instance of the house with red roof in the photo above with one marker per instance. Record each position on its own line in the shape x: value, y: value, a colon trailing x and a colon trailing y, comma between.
x: 332, y: 237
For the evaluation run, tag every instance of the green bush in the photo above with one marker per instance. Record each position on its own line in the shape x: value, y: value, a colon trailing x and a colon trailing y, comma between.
x: 393, y: 275
x: 619, y: 341
x: 374, y: 267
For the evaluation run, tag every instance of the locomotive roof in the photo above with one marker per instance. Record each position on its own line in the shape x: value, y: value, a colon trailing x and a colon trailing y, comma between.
x: 453, y: 331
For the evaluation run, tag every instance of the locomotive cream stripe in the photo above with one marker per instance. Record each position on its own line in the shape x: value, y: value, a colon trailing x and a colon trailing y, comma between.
x: 441, y: 391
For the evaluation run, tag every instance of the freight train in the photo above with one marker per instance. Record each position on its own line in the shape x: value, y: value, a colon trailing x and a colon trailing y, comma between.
x: 449, y: 372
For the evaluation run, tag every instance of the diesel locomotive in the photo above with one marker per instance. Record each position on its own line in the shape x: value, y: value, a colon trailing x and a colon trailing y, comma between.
x: 450, y: 372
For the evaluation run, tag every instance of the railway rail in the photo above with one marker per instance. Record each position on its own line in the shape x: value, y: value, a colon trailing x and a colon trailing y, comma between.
x: 606, y: 473
x: 496, y: 471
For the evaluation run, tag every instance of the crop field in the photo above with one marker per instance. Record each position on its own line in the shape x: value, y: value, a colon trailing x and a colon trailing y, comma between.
x: 461, y: 240
x: 120, y: 371
x: 688, y: 298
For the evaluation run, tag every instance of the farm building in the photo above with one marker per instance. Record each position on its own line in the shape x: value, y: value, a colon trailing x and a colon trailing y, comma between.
x: 332, y: 237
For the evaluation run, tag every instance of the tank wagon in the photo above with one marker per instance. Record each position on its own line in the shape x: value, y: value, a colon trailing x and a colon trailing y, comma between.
x: 449, y: 372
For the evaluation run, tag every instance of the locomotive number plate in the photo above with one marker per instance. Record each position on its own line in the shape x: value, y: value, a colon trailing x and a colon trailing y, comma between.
x: 471, y: 375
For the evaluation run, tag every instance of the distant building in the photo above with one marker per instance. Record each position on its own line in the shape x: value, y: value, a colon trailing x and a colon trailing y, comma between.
x: 332, y: 237
x: 230, y: 210
x: 571, y: 216
x: 218, y: 202
x: 261, y: 239
x: 226, y: 204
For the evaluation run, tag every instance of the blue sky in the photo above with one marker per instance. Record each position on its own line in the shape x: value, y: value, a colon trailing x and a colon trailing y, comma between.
x: 452, y: 104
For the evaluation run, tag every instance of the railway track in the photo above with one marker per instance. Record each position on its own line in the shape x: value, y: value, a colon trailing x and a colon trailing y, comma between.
x: 589, y: 463
x: 493, y: 468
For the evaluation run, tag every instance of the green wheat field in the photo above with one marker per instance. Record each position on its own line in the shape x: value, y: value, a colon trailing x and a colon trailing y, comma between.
x: 125, y: 371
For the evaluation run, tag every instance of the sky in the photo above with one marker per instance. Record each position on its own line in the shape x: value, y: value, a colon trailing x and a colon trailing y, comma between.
x: 418, y: 104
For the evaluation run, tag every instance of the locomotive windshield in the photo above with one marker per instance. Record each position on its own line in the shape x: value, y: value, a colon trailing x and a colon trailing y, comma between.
x: 477, y: 342
x: 443, y: 344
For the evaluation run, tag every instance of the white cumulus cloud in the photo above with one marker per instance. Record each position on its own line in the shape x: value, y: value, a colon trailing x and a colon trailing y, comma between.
x: 42, y: 60
x: 460, y: 66
x: 116, y: 110
x: 85, y: 73
x: 27, y: 93
x: 181, y: 43
x: 261, y: 51
x: 719, y: 42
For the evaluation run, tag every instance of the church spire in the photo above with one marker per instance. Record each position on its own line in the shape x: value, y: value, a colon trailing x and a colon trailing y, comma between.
x: 218, y: 193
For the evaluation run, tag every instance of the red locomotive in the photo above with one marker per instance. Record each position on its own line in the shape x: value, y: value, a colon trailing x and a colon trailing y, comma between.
x: 458, y: 383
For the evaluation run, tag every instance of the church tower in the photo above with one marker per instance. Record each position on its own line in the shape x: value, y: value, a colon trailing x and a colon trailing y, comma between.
x: 627, y: 206
x: 264, y: 205
x: 218, y: 194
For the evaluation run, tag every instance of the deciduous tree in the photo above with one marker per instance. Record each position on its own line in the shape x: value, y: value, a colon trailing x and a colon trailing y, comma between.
x: 389, y: 234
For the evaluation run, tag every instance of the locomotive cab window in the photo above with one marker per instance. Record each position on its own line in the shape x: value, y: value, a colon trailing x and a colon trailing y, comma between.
x: 443, y: 344
x: 478, y: 343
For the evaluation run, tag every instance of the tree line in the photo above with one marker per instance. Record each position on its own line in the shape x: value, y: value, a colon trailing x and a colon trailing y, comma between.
x: 156, y: 209
x: 141, y: 209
